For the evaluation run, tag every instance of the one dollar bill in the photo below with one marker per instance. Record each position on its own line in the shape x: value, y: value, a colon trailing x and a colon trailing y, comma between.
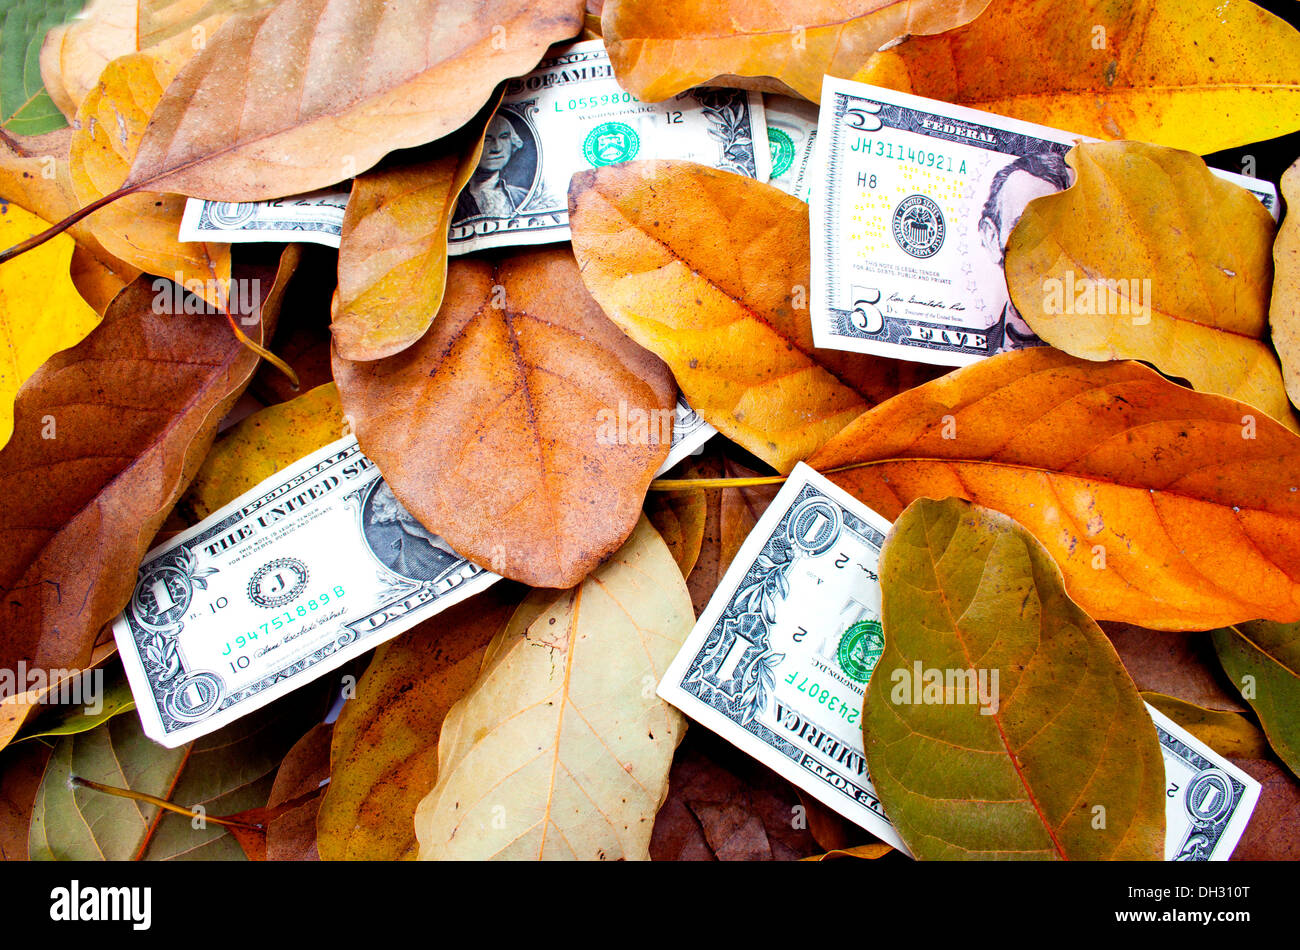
x: 912, y: 203
x: 567, y: 115
x: 313, y: 567
x: 779, y: 660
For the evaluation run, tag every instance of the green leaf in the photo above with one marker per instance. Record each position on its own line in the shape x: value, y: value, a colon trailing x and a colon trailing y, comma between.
x: 1230, y: 734
x: 1253, y: 656
x: 1055, y: 756
x: 69, y: 720
x: 226, y: 772
x: 25, y: 106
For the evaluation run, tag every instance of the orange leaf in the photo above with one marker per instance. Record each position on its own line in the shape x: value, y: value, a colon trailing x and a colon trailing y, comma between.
x: 1164, y: 507
x: 660, y: 49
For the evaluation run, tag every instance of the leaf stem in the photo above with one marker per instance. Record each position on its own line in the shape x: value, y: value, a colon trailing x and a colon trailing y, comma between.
x: 691, y: 484
x: 155, y: 800
x: 36, y: 240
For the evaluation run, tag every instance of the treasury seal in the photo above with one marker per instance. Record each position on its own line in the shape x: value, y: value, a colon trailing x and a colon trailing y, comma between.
x: 918, y: 226
x: 277, y: 582
x: 860, y: 648
x: 782, y: 151
x: 611, y: 142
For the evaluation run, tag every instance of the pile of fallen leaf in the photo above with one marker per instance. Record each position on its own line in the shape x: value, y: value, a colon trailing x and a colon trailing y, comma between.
x: 479, y: 416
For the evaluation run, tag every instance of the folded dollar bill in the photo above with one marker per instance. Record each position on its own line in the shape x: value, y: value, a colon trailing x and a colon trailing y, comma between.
x: 567, y: 115
x: 316, y: 217
x: 314, y: 566
x: 779, y: 660
x: 792, y: 135
x: 912, y: 203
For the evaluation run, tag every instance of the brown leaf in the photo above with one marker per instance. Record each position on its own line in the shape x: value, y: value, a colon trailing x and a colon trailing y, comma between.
x: 106, y: 437
x: 679, y: 517
x: 140, y: 229
x: 730, y: 514
x: 21, y: 769
x: 291, y: 833
x: 1182, y: 665
x: 488, y: 430
x: 1200, y: 75
x: 710, y: 271
x: 724, y: 806
x: 393, y: 250
x: 385, y: 744
x: 302, y: 336
x: 348, y: 83
x: 1273, y: 833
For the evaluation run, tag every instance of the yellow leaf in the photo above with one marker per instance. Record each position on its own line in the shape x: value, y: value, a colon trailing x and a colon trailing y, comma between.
x: 562, y: 749
x: 1227, y: 733
x: 74, y: 54
x: 259, y: 446
x: 1149, y: 256
x: 40, y: 310
x: 1284, y: 311
x: 393, y: 249
x: 659, y: 49
x: 140, y: 228
x: 1202, y: 75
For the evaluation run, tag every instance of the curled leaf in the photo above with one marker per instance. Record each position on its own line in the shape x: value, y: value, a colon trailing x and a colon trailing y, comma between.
x: 427, y: 68
x: 1150, y: 256
x: 393, y: 249
x: 1200, y: 75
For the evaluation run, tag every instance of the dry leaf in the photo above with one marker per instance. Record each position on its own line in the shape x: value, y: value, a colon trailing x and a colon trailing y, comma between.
x: 257, y: 447
x: 74, y: 54
x: 1181, y: 665
x: 659, y: 50
x: 1016, y: 770
x: 710, y: 270
x: 1270, y: 685
x: 40, y: 310
x: 21, y: 769
x: 301, y: 778
x: 562, y: 749
x: 680, y: 518
x: 1284, y: 309
x: 730, y: 514
x: 1228, y: 733
x: 1149, y: 256
x: 489, y: 429
x: 34, y: 174
x: 863, y: 852
x: 393, y: 250
x: 1164, y: 507
x: 228, y: 774
x: 723, y: 805
x: 1274, y: 830
x: 1201, y: 75
x: 140, y: 229
x: 132, y: 410
x: 349, y: 82
x: 385, y: 745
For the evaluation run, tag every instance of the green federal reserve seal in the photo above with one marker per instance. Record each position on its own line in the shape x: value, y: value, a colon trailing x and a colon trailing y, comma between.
x: 782, y: 151
x: 860, y: 648
x: 611, y: 142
